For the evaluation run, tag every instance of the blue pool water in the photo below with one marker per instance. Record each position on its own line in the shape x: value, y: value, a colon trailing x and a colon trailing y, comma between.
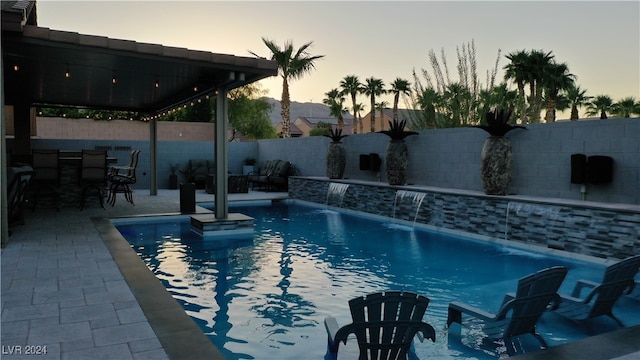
x: 267, y: 297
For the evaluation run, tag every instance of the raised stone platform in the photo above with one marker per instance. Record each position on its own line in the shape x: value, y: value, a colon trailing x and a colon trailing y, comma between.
x: 236, y: 225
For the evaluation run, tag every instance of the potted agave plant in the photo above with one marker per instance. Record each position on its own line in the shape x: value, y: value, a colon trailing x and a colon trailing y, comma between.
x: 497, y: 155
x: 336, y: 158
x: 397, y: 154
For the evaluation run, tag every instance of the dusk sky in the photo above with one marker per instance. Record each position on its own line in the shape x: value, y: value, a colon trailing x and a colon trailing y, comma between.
x: 599, y: 41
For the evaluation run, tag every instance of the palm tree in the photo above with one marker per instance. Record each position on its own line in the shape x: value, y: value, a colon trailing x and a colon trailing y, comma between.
x: 372, y: 88
x: 399, y: 86
x: 428, y: 101
x: 357, y: 108
x: 381, y: 106
x: 351, y: 86
x: 557, y: 78
x: 577, y: 98
x: 626, y: 107
x: 456, y: 96
x: 536, y: 65
x: 517, y: 71
x: 293, y: 64
x: 601, y: 104
x: 498, y: 97
x: 335, y: 101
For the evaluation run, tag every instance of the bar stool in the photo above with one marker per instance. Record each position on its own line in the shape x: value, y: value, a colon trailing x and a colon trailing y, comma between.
x: 46, y: 180
x: 120, y: 179
x: 93, y: 174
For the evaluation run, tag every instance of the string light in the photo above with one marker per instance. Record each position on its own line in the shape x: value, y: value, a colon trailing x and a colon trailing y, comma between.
x: 177, y: 107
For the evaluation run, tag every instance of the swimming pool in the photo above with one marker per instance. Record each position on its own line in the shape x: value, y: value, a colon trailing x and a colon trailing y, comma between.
x: 267, y: 297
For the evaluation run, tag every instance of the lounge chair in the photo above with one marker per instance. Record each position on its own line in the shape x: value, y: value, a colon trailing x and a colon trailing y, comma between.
x: 272, y: 176
x: 384, y: 323
x: 519, y: 312
x: 635, y: 293
x: 618, y: 279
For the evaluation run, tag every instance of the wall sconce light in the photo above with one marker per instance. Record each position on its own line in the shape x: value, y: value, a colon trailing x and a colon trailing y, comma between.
x: 16, y: 67
x: 114, y: 79
x: 232, y: 75
x: 67, y: 74
x: 195, y: 88
x: 241, y: 76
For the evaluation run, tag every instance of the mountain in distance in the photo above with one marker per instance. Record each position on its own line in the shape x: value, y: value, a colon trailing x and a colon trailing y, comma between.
x: 298, y: 109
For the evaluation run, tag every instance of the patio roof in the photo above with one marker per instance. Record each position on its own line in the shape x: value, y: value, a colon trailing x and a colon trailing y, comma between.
x: 107, y: 73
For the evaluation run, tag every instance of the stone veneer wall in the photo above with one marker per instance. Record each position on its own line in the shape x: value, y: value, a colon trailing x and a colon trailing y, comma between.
x: 594, y: 229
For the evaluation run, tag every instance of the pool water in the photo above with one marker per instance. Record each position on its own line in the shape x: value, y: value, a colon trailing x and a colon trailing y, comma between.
x: 267, y: 297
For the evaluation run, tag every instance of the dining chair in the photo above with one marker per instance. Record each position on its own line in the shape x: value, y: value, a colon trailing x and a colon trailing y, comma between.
x: 121, y: 178
x: 93, y: 174
x: 46, y: 179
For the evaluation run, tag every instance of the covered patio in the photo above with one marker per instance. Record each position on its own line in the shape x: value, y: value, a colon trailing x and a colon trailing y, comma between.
x: 41, y: 66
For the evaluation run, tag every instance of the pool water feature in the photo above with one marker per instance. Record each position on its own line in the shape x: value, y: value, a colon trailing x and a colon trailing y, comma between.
x: 336, y: 190
x: 266, y: 298
x: 416, y: 199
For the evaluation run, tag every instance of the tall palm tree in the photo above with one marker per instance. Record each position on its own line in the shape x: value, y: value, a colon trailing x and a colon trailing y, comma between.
x: 292, y: 64
x: 626, y: 107
x: 600, y: 104
x: 351, y: 86
x: 380, y: 107
x: 335, y: 101
x: 556, y: 78
x: 517, y: 71
x: 429, y: 101
x: 577, y: 98
x: 536, y: 64
x: 372, y: 88
x: 357, y: 109
x: 399, y: 87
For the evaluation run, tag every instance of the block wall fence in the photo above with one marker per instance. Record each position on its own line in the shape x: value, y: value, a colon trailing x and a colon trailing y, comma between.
x: 445, y: 158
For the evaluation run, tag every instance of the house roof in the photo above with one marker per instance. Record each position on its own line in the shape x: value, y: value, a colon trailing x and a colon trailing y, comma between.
x: 327, y: 120
x: 36, y: 59
x: 403, y: 114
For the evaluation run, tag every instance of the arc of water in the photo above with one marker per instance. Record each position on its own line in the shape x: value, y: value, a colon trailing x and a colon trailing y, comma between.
x: 416, y: 201
x: 525, y: 210
x: 337, y: 189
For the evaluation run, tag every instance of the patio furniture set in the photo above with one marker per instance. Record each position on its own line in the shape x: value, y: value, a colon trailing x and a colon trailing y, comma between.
x: 66, y: 177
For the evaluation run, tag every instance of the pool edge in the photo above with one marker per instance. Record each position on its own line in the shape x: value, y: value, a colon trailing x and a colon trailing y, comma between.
x: 179, y: 335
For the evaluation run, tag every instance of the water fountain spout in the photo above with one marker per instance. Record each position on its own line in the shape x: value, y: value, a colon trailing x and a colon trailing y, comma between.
x: 416, y: 201
x: 337, y: 190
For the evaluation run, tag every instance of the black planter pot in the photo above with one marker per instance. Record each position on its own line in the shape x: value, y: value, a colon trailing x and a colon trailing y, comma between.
x: 173, y: 181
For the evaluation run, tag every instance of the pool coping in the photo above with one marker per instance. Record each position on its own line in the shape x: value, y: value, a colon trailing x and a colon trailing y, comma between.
x: 179, y: 335
x: 182, y: 338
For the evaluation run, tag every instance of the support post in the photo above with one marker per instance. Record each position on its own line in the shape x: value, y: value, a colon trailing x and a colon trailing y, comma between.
x: 4, y: 182
x: 221, y: 201
x: 153, y: 157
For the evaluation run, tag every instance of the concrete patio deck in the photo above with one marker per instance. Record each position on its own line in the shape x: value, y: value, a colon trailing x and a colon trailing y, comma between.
x: 67, y: 285
x: 64, y: 296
